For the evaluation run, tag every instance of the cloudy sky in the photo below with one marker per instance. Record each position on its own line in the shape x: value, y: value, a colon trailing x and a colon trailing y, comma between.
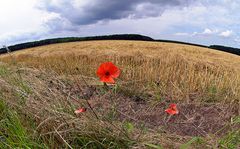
x: 198, y: 21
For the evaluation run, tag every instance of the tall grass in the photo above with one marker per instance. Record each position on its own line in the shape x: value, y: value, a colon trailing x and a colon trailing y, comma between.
x: 36, y: 116
x: 12, y: 132
x: 172, y: 76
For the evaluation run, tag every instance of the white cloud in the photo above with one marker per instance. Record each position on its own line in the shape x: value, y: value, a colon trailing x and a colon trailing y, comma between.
x: 20, y: 36
x: 205, y: 22
x: 21, y: 21
x: 226, y: 33
x: 205, y: 32
x: 208, y: 31
x: 237, y: 40
x: 182, y: 34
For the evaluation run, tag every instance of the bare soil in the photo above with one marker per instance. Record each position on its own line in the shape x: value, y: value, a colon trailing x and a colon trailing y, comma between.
x: 194, y: 119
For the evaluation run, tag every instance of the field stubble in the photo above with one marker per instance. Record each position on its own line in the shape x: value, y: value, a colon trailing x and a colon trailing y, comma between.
x: 185, y: 73
x: 205, y: 84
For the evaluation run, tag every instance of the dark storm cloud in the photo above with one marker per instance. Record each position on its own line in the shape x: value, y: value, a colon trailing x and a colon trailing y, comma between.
x: 83, y: 12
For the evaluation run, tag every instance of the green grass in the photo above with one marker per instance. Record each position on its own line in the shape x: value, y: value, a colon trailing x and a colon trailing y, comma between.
x: 230, y: 141
x: 12, y: 132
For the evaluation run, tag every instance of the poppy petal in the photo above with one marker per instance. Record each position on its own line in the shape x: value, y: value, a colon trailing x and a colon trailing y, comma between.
x: 107, y: 71
x: 115, y: 72
x: 171, y: 111
x: 101, y: 71
x: 107, y: 79
x: 173, y: 105
x: 81, y: 110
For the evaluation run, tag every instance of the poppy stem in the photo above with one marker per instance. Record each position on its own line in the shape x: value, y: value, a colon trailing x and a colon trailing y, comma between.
x: 105, y: 85
x: 89, y: 105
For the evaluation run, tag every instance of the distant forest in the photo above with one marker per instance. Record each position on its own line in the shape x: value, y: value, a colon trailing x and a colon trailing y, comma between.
x: 110, y: 37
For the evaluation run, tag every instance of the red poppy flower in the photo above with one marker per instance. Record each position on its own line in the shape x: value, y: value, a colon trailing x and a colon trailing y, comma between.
x: 107, y: 72
x: 81, y: 110
x: 172, y: 109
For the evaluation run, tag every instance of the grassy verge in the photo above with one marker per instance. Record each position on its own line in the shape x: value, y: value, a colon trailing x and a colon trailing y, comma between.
x: 46, y: 118
x: 13, y: 134
x: 30, y: 120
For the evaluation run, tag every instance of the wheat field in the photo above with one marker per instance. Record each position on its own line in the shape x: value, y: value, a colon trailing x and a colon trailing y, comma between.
x: 42, y: 86
x: 182, y: 72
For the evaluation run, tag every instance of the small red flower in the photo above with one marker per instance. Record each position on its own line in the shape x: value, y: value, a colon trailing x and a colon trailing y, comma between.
x: 172, y: 110
x: 81, y: 110
x: 107, y: 72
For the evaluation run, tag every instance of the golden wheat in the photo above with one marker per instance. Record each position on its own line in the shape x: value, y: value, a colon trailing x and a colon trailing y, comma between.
x: 181, y: 72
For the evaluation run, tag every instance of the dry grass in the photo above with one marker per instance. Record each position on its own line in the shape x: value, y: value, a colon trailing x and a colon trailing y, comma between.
x: 131, y: 114
x: 45, y: 115
x: 163, y: 70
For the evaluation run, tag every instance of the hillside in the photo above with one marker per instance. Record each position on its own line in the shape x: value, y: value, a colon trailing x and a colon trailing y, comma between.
x: 135, y: 37
x: 41, y: 87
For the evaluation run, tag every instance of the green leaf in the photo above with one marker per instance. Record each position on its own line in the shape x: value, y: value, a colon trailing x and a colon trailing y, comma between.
x: 235, y: 120
x: 129, y: 127
x: 188, y: 144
